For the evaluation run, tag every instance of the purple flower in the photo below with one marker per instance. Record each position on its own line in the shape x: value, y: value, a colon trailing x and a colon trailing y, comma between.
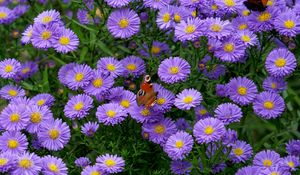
x: 187, y: 99
x: 156, y: 4
x: 231, y: 50
x: 27, y: 35
x: 63, y: 71
x: 182, y: 124
x: 280, y: 62
x: 173, y: 70
x: 266, y: 159
x: 201, y: 112
x: 160, y: 131
x: 7, y: 162
x: 190, y: 29
x: 123, y: 23
x: 93, y: 170
x: 157, y: 49
x: 268, y: 105
x: 43, y: 99
x: 110, y: 65
x: 293, y: 147
x: 208, y: 130
x: 249, y: 170
x: 117, y: 3
x: 6, y: 15
x: 99, y: 84
x: 275, y: 170
x: 78, y: 106
x: 89, y: 129
x: 230, y: 137
x: 43, y: 36
x: 133, y: 66
x: 179, y: 145
x: 241, y: 90
x: 217, y: 28
x: 165, y: 99
x: 111, y: 114
x: 180, y: 167
x: 14, y: 118
x: 110, y: 163
x: 28, y: 163
x: 290, y: 162
x: 82, y: 162
x: 262, y: 21
x: 27, y: 69
x: 164, y: 18
x: 221, y: 90
x: 287, y: 23
x: 240, y: 23
x: 37, y: 115
x: 54, y: 134
x: 143, y: 115
x: 9, y: 68
x: 13, y: 142
x: 247, y: 37
x: 274, y: 84
x: 83, y: 16
x: 47, y: 17
x: 66, y: 41
x: 10, y: 92
x: 230, y: 6
x: 126, y: 100
x: 53, y: 165
x: 189, y: 3
x: 240, y: 152
x: 228, y: 113
x: 79, y: 76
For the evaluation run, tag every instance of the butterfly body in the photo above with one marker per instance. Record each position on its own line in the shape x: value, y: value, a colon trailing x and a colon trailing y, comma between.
x: 146, y: 95
x: 256, y: 5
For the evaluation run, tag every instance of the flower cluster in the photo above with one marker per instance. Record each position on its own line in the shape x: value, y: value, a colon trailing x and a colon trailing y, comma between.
x: 8, y: 15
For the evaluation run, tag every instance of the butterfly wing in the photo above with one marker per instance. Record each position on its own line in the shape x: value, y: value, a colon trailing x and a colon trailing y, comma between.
x: 256, y: 5
x: 140, y: 97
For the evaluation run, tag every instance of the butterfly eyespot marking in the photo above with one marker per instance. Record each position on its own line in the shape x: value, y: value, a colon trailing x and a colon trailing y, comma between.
x: 147, y: 78
x: 141, y: 92
x: 151, y: 85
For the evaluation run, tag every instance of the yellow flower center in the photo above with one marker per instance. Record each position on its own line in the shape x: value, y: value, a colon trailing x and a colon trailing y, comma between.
x: 78, y: 106
x: 3, y: 161
x: 264, y: 16
x: 98, y: 82
x: 214, y: 7
x: 125, y: 103
x: 245, y: 38
x: 291, y: 164
x: 123, y: 23
x: 145, y: 112
x: 95, y: 173
x: 3, y: 15
x: 8, y: 68
x: 179, y: 144
x: 111, y: 67
x: 273, y: 85
x: 25, y: 70
x: 274, y: 173
x: 174, y: 70
x: 15, y: 117
x: 52, y: 167
x: 188, y: 99
x: 79, y: 77
x: 46, y: 35
x: 194, y: 13
x: 53, y: 134
x: 238, y: 151
x: 12, y: 144
x: 267, y: 162
x: 64, y: 40
x: 25, y: 163
x: 166, y: 17
x: 177, y: 18
x: 242, y: 90
x: 155, y: 50
x: 269, y: 3
x: 215, y: 28
x: 268, y: 105
x: 246, y: 12
x: 229, y: 3
x: 243, y: 26
x: 12, y: 92
x: 209, y: 130
x: 190, y: 29
x: 36, y: 117
x: 110, y: 163
x: 161, y: 101
x: 289, y: 24
x: 228, y: 47
x: 41, y: 102
x: 29, y: 34
x: 111, y: 113
x: 131, y: 67
x: 47, y: 19
x: 159, y: 129
x: 280, y: 62
x: 202, y: 111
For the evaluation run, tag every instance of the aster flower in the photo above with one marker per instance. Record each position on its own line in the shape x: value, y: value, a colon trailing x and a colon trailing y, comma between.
x: 213, y: 44
x: 230, y: 137
x: 290, y: 162
x: 217, y: 168
x: 82, y: 162
x: 133, y: 66
x: 164, y: 18
x: 28, y: 163
x: 6, y: 15
x: 173, y: 70
x: 37, y: 115
x: 240, y: 152
x: 111, y: 114
x: 7, y: 162
x: 275, y: 170
x: 43, y: 36
x: 114, y: 93
x: 189, y: 3
x: 53, y: 165
x: 156, y: 4
x: 241, y: 90
x: 201, y: 112
x: 27, y: 69
x: 66, y: 41
x: 266, y: 159
x: 89, y: 128
x: 78, y: 106
x: 54, y: 135
x: 79, y: 76
x: 42, y: 99
x: 179, y: 145
x: 215, y: 71
x: 143, y: 115
x: 262, y: 21
x: 231, y: 50
x: 187, y: 99
x: 247, y: 37
x: 47, y: 17
x: 249, y: 170
x: 9, y: 92
x: 126, y: 100
x: 155, y: 50
x: 208, y: 130
x: 13, y: 142
x: 268, y: 105
x: 123, y: 23
x: 230, y: 6
x: 280, y: 62
x: 287, y: 24
x: 63, y: 71
x: 274, y: 84
x: 293, y: 147
x: 93, y: 170
x: 9, y: 68
x: 240, y: 23
x: 180, y: 13
x: 180, y: 167
x: 190, y: 29
x: 160, y: 131
x: 182, y: 124
x: 110, y: 65
x: 228, y: 113
x: 14, y: 118
x: 221, y: 90
x: 27, y: 34
x: 19, y: 10
x: 165, y: 100
x: 117, y: 3
x: 82, y: 16
x: 110, y: 163
x: 217, y: 28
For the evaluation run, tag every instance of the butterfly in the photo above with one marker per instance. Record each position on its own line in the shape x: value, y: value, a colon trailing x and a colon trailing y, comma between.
x: 256, y: 5
x: 146, y: 95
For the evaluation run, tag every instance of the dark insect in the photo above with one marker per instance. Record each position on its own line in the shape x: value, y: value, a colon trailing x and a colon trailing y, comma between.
x: 256, y: 5
x: 146, y: 95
